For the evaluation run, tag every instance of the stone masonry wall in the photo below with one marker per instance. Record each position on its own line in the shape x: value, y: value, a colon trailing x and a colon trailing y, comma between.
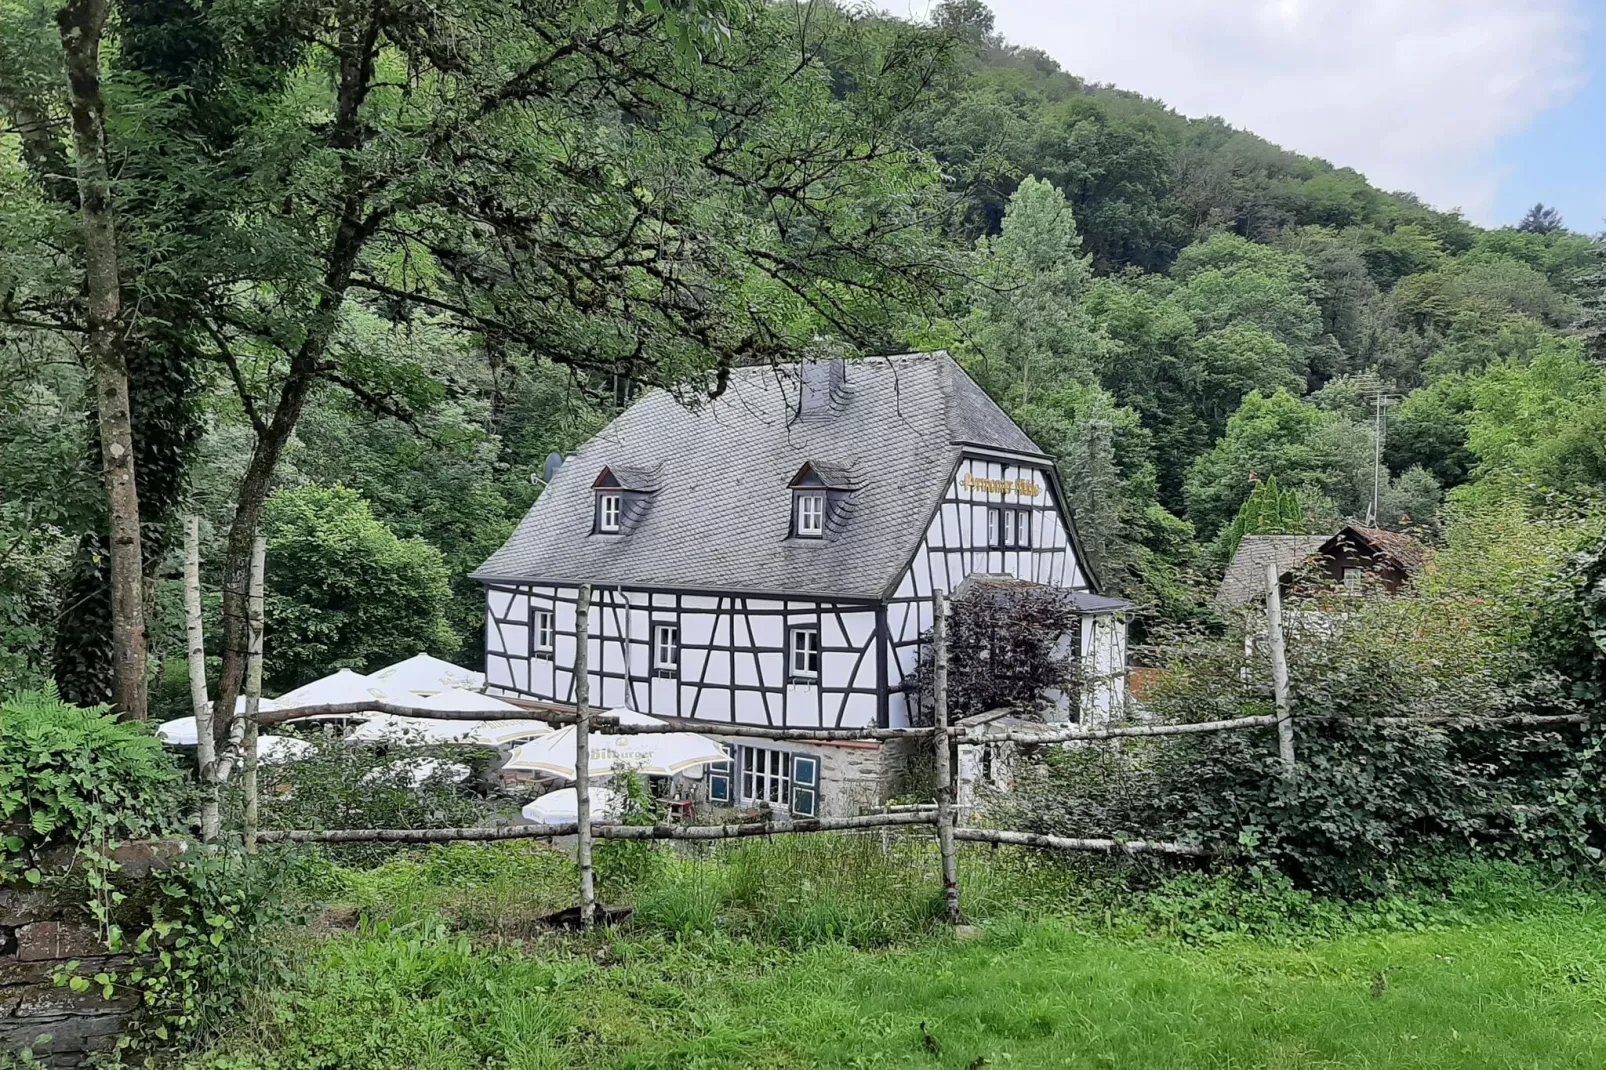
x: 37, y: 940
x: 39, y: 936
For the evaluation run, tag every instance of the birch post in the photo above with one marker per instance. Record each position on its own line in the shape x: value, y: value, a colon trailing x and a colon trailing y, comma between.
x: 1279, y: 668
x: 944, y: 764
x: 253, y: 688
x: 200, y: 704
x: 582, y: 755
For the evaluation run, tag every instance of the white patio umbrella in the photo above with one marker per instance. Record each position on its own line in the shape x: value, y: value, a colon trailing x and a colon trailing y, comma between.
x: 276, y: 750
x: 418, y: 770
x: 563, y: 806
x: 428, y: 730
x: 181, y: 731
x: 423, y: 674
x: 342, y: 686
x: 658, y: 754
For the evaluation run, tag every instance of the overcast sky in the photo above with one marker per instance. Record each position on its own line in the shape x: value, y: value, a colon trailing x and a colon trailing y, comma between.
x: 1486, y: 105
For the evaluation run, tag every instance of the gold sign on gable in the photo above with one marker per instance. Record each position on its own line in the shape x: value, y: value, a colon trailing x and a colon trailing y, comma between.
x: 1024, y: 487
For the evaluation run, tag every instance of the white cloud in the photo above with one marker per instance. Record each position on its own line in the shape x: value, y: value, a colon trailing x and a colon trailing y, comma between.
x: 1413, y: 93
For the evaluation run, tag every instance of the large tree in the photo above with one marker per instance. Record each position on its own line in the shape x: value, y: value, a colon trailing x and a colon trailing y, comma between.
x: 646, y: 194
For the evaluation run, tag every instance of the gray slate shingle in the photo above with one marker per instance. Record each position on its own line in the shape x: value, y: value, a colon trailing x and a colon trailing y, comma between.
x: 1245, y: 580
x: 720, y: 517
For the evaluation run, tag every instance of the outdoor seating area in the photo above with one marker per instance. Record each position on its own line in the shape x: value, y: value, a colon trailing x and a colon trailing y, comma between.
x: 533, y: 761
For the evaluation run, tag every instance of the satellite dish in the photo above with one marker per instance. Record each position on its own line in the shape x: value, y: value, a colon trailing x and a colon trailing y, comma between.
x: 550, y: 468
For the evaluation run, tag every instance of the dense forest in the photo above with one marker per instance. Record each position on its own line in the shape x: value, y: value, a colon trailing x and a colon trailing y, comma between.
x: 373, y: 262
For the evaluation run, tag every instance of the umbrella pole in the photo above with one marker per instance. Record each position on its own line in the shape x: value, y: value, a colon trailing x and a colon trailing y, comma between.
x: 582, y: 754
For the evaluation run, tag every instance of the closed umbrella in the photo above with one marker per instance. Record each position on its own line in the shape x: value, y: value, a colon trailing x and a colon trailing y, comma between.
x: 424, y: 730
x: 657, y: 754
x: 423, y: 674
x: 562, y: 807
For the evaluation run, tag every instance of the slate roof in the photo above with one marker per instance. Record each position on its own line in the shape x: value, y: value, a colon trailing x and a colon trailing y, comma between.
x: 720, y: 516
x: 1407, y: 552
x: 998, y: 587
x: 1245, y: 580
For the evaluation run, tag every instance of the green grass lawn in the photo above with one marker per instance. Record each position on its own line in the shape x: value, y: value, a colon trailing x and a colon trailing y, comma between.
x: 1520, y: 987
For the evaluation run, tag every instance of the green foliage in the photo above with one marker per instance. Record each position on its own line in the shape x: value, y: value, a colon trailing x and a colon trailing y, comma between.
x: 201, y: 939
x: 338, y: 784
x: 1268, y: 436
x: 1028, y: 325
x: 1269, y: 510
x: 1544, y: 419
x: 343, y: 591
x: 72, y: 777
x: 1397, y: 761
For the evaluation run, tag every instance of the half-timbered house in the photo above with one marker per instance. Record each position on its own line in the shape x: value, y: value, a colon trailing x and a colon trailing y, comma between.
x: 769, y: 558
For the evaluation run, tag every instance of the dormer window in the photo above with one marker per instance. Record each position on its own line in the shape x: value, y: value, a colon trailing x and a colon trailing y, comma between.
x: 810, y: 514
x: 820, y: 496
x: 609, y: 506
x: 622, y: 497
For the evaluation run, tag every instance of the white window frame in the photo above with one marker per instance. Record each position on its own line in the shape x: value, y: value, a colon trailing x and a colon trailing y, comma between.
x: 1009, y: 527
x: 610, y: 507
x: 543, y: 633
x: 1354, y: 580
x: 666, y: 650
x: 802, y: 649
x: 765, y: 776
x: 810, y: 514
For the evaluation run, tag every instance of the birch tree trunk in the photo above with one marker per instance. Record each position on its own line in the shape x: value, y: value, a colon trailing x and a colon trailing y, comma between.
x: 582, y: 755
x: 200, y: 704
x: 944, y: 761
x: 253, y: 690
x: 81, y: 23
x: 1279, y: 669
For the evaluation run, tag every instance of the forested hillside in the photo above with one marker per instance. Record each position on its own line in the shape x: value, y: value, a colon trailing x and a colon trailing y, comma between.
x: 364, y: 300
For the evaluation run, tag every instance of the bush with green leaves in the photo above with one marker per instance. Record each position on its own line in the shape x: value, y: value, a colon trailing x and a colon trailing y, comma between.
x: 1394, y: 702
x: 340, y: 784
x: 73, y: 777
x: 343, y: 591
x: 199, y: 934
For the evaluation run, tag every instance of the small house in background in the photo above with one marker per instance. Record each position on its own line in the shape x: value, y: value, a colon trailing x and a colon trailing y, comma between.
x: 1351, y: 562
x: 769, y: 558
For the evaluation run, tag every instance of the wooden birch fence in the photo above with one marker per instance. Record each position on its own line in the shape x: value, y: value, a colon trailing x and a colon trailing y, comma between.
x: 215, y: 766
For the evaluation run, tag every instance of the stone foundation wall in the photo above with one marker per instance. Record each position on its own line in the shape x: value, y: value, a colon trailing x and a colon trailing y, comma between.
x: 62, y: 1027
x: 854, y: 776
x: 39, y: 936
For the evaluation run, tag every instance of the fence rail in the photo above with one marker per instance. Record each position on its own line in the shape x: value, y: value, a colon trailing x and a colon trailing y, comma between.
x: 940, y: 816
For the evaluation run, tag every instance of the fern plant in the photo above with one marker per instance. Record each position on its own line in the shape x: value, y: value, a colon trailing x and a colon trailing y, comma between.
x: 71, y: 775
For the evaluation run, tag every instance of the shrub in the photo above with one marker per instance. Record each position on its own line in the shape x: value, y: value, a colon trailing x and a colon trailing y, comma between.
x: 71, y: 776
x: 343, y: 591
x: 1008, y: 650
x: 1382, y: 782
x: 342, y: 785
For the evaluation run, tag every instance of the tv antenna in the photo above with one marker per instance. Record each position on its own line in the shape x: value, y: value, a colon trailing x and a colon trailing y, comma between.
x: 1380, y: 424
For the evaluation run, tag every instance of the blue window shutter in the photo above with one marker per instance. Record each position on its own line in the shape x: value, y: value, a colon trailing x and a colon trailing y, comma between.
x: 719, y: 782
x: 805, y: 786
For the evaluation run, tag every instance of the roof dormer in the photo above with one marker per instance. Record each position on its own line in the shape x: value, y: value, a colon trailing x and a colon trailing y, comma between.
x: 821, y: 496
x: 622, y: 497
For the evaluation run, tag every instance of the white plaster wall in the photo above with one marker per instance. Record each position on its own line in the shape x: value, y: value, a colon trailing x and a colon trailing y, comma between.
x: 733, y: 661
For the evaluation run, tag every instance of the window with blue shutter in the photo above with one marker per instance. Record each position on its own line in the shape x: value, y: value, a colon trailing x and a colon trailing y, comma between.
x: 805, y: 786
x: 719, y: 782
